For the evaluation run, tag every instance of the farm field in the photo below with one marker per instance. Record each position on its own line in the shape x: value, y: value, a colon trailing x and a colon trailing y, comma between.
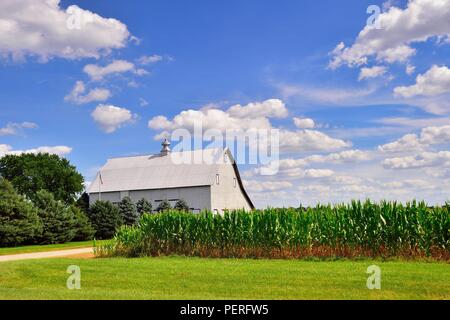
x: 202, y: 278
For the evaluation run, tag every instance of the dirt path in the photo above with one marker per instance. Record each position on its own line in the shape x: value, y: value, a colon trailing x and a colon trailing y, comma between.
x: 85, y: 252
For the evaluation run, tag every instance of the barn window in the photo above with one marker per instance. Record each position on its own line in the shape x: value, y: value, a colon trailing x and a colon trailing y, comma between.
x: 234, y: 182
x: 217, y: 179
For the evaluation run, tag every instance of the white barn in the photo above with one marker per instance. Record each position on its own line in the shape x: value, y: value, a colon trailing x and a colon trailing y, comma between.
x: 206, y: 179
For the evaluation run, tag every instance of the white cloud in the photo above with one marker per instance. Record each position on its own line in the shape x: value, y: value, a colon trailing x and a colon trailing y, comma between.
x: 97, y: 73
x: 143, y: 102
x: 318, y: 173
x: 58, y: 150
x: 146, y: 60
x: 42, y: 28
x: 410, y: 69
x: 374, y: 72
x: 435, y: 81
x: 259, y: 186
x: 304, y: 123
x: 110, y: 118
x: 309, y: 140
x: 325, y: 95
x: 16, y: 128
x: 424, y: 159
x: 413, y: 142
x: 78, y: 96
x: 255, y: 115
x: 409, y: 142
x: 418, y: 22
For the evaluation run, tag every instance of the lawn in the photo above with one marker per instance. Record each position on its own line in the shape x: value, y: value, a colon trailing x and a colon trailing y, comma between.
x: 196, y: 278
x: 50, y: 247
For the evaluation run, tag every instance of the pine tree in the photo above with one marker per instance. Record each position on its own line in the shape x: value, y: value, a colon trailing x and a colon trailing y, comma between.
x: 105, y: 218
x: 128, y: 212
x: 181, y: 205
x: 58, y: 221
x: 19, y: 221
x: 83, y: 227
x: 143, y: 207
x: 164, y: 206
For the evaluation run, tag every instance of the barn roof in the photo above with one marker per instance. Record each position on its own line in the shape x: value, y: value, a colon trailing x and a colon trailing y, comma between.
x: 173, y: 170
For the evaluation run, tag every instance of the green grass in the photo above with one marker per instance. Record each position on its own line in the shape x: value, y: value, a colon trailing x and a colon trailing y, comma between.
x: 50, y: 247
x: 201, y: 278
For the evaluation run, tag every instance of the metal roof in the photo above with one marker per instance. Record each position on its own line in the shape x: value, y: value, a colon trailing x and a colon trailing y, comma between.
x: 174, y: 170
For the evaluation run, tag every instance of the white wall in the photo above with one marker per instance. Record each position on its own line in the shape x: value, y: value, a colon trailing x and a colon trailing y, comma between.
x: 196, y: 197
x: 227, y: 194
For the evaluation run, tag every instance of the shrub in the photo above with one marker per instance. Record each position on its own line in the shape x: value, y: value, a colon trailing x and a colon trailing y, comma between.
x: 181, y: 205
x: 105, y: 218
x: 83, y: 227
x: 19, y: 221
x: 58, y: 221
x: 143, y: 206
x: 164, y: 206
x: 128, y: 212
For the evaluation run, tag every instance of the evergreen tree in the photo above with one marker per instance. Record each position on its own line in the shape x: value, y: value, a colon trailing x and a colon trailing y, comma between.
x: 19, y: 221
x: 83, y: 227
x: 128, y: 212
x: 105, y: 218
x: 164, y: 206
x: 83, y: 203
x: 181, y: 205
x: 143, y: 207
x: 58, y: 221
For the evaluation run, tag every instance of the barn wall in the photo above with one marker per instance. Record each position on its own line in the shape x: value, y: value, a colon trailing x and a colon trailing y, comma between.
x: 227, y: 194
x: 198, y: 198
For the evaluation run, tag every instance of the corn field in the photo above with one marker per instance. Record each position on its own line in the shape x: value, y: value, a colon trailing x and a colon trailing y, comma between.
x: 359, y: 229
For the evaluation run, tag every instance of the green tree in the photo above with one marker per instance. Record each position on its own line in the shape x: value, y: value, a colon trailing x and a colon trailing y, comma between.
x: 30, y: 173
x: 181, y: 205
x: 83, y: 227
x: 128, y: 211
x: 105, y: 218
x: 83, y: 202
x: 19, y: 221
x: 143, y: 206
x: 58, y: 222
x: 164, y: 206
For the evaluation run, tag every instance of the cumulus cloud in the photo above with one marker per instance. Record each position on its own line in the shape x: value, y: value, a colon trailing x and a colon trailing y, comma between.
x: 78, y: 95
x: 58, y: 150
x: 255, y: 115
x: 435, y: 81
x: 424, y: 159
x: 374, y: 72
x: 42, y: 28
x: 97, y: 73
x: 418, y: 22
x: 110, y: 118
x: 304, y: 123
x: 13, y: 128
x: 413, y: 142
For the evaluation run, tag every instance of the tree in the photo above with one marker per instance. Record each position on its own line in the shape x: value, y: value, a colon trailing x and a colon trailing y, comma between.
x: 83, y: 227
x: 181, y: 205
x: 143, y: 206
x: 30, y: 173
x: 128, y: 212
x: 58, y: 221
x: 83, y: 203
x: 164, y: 206
x: 19, y: 221
x: 105, y: 218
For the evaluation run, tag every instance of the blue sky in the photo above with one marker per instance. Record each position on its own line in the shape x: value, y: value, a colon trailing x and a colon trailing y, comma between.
x: 159, y: 58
